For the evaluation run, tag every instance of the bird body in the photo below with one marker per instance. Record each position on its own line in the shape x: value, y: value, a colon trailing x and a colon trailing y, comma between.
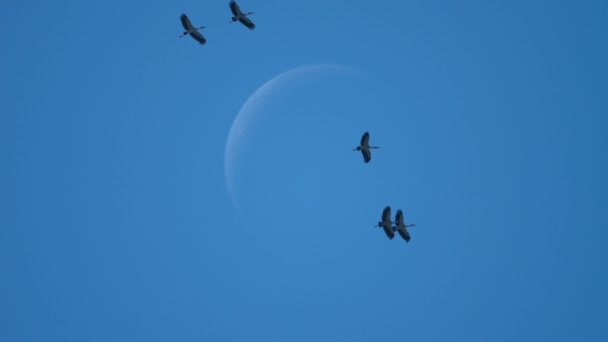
x: 365, y: 148
x: 240, y: 16
x: 386, y: 223
x: 191, y: 30
x: 401, y: 227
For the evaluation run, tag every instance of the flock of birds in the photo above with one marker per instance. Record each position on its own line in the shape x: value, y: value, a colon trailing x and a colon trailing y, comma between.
x: 237, y: 14
x: 386, y: 222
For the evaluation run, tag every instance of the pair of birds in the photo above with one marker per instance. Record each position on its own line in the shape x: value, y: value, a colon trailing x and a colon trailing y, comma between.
x: 237, y: 14
x: 399, y: 226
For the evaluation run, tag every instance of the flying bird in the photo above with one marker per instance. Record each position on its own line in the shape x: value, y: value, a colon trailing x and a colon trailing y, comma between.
x: 386, y: 223
x: 240, y: 16
x: 191, y: 30
x: 400, y: 226
x: 365, y: 148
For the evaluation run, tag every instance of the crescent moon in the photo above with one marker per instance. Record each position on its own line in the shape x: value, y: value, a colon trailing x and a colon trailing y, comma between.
x: 246, y: 116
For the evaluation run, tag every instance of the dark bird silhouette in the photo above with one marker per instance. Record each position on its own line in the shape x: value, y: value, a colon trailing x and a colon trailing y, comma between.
x: 191, y: 30
x: 240, y: 16
x: 386, y: 223
x: 400, y: 226
x: 365, y: 148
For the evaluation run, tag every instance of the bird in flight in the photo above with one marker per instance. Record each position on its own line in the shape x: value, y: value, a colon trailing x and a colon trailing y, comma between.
x: 401, y: 227
x: 240, y: 16
x: 191, y: 30
x: 365, y: 148
x: 386, y: 223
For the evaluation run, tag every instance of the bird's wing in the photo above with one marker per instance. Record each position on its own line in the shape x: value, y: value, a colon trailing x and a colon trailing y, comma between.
x: 389, y: 231
x: 399, y: 217
x: 234, y: 8
x: 386, y: 214
x: 185, y: 22
x: 198, y: 37
x: 245, y: 21
x: 404, y: 234
x: 365, y: 139
x: 367, y: 155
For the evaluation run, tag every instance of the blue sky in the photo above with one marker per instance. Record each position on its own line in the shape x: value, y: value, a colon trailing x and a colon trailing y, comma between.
x: 117, y: 223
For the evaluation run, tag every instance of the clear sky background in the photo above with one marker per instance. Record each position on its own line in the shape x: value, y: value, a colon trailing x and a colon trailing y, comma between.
x: 117, y: 223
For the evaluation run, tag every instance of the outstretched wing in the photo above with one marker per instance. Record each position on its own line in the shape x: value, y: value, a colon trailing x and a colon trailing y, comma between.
x: 185, y: 22
x: 399, y: 217
x: 234, y: 8
x: 198, y: 37
x: 367, y: 155
x: 386, y: 214
x: 389, y: 231
x: 365, y: 139
x: 245, y: 21
x: 404, y: 234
